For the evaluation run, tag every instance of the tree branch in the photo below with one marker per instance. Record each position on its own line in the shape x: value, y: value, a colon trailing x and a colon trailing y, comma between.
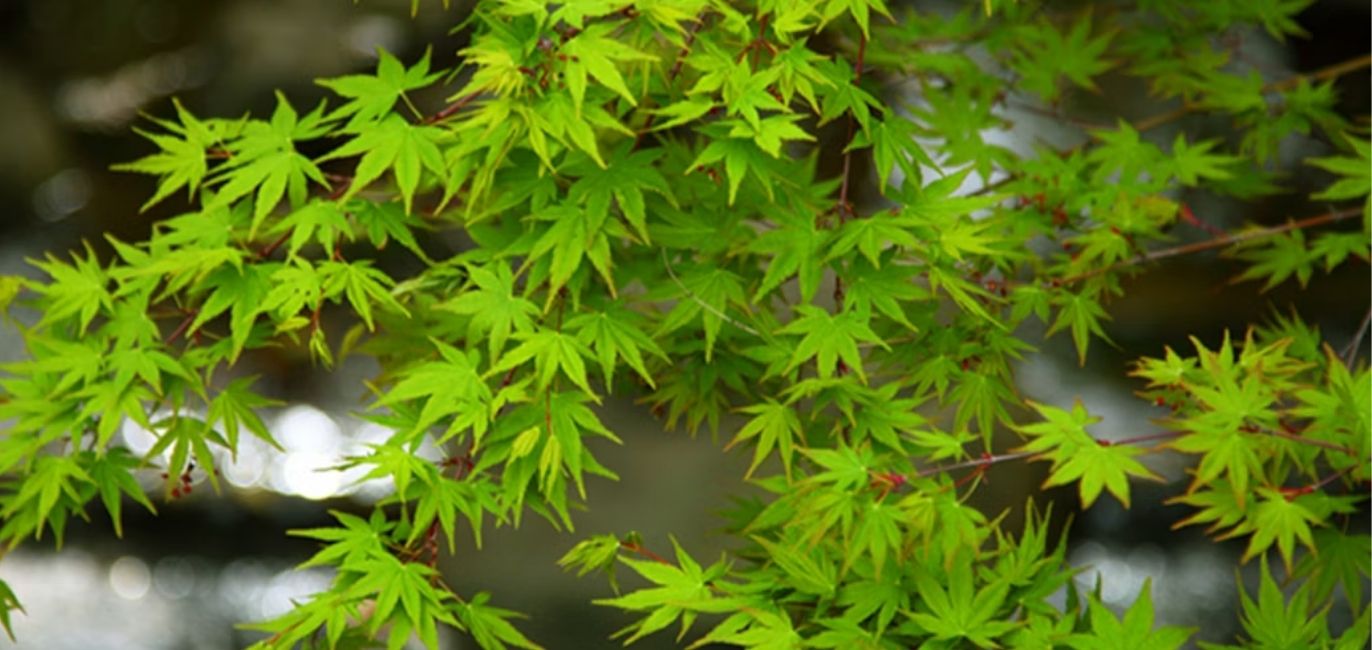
x: 1218, y: 242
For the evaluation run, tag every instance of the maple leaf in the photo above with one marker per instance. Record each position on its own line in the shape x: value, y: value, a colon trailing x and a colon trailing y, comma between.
x: 264, y: 162
x: 739, y: 156
x: 551, y: 351
x: 181, y: 161
x: 1077, y: 456
x: 1278, y: 258
x: 362, y: 285
x: 1192, y: 163
x: 797, y: 247
x: 449, y: 387
x: 624, y: 179
x: 774, y: 425
x: 393, y: 144
x: 707, y: 294
x: 595, y: 52
x: 495, y: 310
x: 371, y: 97
x: 616, y: 334
x: 1047, y: 54
x: 1278, y: 518
x: 1134, y: 632
x: 894, y: 144
x: 829, y: 338
x: 1358, y: 179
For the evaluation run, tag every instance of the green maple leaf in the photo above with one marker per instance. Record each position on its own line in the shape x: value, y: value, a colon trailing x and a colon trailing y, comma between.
x: 893, y: 144
x: 574, y: 234
x: 371, y: 97
x: 1339, y: 558
x: 797, y: 247
x: 623, y: 179
x: 1278, y: 258
x: 236, y: 407
x: 1134, y: 632
x: 449, y: 387
x: 113, y: 477
x: 1357, y: 179
x: 706, y: 293
x: 264, y: 162
x: 239, y: 291
x: 739, y: 156
x: 8, y: 603
x: 1078, y: 456
x: 1047, y: 54
x: 186, y: 437
x: 319, y: 221
x: 774, y: 425
x: 1217, y: 506
x: 771, y: 132
x: 886, y: 418
x: 362, y: 285
x: 797, y: 73
x: 872, y: 236
x: 551, y: 351
x: 77, y: 289
x: 1081, y: 314
x: 384, y: 222
x: 490, y: 626
x: 860, y: 10
x: 495, y: 310
x: 1278, y: 518
x: 447, y: 498
x: 351, y: 545
x: 882, y: 290
x: 961, y: 611
x: 845, y: 97
x: 396, y: 145
x: 616, y: 334
x: 595, y: 52
x: 829, y: 338
x: 1193, y: 163
x: 677, y: 592
x: 181, y: 161
x: 1272, y: 622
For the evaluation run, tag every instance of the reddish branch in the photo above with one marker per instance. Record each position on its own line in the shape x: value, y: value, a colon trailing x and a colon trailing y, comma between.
x: 185, y: 325
x: 453, y: 108
x: 638, y: 549
x: 1155, y: 121
x: 671, y: 77
x: 1219, y: 242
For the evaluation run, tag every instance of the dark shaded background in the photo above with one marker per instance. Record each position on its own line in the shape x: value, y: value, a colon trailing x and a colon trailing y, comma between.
x: 75, y: 73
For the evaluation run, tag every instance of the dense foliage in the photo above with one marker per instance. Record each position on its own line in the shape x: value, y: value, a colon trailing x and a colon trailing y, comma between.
x: 647, y: 203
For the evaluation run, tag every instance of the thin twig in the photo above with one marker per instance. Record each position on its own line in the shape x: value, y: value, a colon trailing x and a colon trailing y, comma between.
x: 1218, y: 242
x: 1350, y: 351
x: 671, y: 77
x: 1148, y: 123
x: 1313, y: 442
x: 1328, y: 72
x: 452, y: 109
x: 185, y: 325
x: 982, y: 462
x: 703, y: 305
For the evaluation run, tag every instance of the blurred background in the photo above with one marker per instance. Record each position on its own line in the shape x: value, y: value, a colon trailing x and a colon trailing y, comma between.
x: 75, y: 76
